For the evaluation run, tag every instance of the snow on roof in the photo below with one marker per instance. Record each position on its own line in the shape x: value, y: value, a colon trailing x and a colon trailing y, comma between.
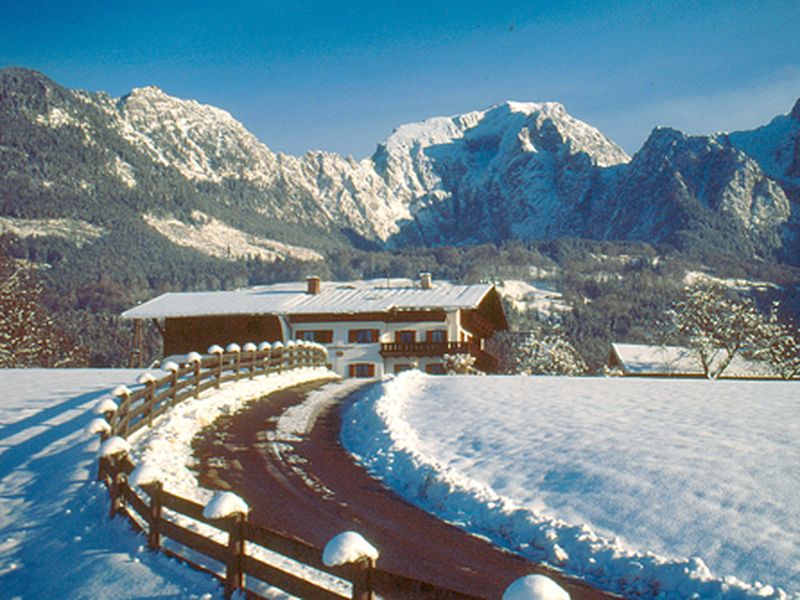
x: 639, y: 359
x: 334, y: 297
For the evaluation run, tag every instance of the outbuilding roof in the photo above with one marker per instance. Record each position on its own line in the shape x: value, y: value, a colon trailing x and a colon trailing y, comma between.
x: 352, y: 297
x: 639, y: 359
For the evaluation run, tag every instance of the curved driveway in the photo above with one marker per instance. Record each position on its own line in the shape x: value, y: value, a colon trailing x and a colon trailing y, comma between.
x: 311, y: 488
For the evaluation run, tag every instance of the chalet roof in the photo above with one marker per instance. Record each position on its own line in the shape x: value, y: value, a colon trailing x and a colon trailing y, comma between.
x: 639, y: 359
x: 335, y: 297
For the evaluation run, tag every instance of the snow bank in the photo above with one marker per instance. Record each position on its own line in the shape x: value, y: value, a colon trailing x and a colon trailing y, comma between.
x: 535, y: 587
x: 566, y: 467
x: 348, y: 547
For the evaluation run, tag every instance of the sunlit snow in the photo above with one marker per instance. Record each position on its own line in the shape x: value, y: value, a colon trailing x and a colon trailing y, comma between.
x: 639, y: 485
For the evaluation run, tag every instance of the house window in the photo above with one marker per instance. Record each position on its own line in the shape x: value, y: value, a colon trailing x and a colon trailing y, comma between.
x: 407, y: 336
x: 437, y: 336
x: 362, y: 370
x: 362, y: 336
x: 435, y: 369
x: 321, y: 336
x: 403, y: 367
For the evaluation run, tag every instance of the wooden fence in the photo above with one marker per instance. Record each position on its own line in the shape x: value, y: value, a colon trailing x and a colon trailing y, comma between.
x: 160, y: 514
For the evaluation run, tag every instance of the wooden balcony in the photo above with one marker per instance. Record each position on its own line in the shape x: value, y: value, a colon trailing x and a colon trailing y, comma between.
x: 483, y: 360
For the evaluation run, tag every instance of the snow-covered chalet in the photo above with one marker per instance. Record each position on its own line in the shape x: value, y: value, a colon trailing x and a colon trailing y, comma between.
x: 370, y: 328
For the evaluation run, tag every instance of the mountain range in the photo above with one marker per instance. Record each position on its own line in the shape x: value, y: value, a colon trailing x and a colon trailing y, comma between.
x: 159, y: 172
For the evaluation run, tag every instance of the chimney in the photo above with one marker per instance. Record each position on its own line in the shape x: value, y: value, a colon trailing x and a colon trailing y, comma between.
x: 425, y: 281
x: 314, y: 285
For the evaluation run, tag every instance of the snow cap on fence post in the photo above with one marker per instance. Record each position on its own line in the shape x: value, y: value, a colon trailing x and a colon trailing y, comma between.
x: 535, y: 587
x: 193, y: 357
x: 233, y: 347
x: 348, y: 547
x: 121, y: 390
x: 106, y: 405
x: 146, y: 378
x: 215, y: 349
x: 113, y: 446
x: 249, y: 347
x: 144, y: 475
x: 225, y: 504
x: 264, y: 346
x: 96, y: 426
x: 170, y: 366
x: 277, y: 345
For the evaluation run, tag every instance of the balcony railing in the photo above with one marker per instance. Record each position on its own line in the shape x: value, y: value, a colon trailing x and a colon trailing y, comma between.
x: 483, y: 360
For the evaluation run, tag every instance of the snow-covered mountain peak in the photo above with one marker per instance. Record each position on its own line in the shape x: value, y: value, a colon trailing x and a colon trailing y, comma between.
x: 203, y: 142
x: 530, y: 122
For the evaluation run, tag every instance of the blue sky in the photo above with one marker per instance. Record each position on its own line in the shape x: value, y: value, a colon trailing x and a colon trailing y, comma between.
x: 340, y: 76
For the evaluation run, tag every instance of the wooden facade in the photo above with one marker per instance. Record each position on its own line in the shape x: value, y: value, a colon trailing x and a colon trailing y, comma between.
x: 188, y: 334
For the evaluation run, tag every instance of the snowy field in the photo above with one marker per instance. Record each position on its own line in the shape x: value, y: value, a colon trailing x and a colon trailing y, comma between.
x: 651, y: 488
x: 55, y: 538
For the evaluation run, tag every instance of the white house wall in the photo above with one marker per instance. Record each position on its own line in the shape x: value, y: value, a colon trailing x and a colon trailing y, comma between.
x: 342, y: 353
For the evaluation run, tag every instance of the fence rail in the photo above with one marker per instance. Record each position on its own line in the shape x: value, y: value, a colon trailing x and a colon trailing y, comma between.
x: 157, y: 512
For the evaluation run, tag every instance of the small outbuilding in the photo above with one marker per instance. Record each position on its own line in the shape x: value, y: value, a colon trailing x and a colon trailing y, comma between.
x: 641, y: 360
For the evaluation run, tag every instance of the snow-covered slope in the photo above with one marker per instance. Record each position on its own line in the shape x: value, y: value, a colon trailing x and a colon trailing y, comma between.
x: 202, y: 142
x: 650, y: 488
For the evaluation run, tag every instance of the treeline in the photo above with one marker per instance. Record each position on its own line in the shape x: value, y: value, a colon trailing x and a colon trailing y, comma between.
x: 616, y: 291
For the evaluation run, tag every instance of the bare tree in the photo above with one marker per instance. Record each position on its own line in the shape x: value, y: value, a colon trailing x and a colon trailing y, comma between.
x: 28, y: 337
x: 717, y: 324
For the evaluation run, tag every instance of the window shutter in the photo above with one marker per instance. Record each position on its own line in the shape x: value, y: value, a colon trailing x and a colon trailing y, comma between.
x: 429, y: 336
x: 352, y: 336
x: 371, y: 370
x: 375, y: 335
x: 352, y: 370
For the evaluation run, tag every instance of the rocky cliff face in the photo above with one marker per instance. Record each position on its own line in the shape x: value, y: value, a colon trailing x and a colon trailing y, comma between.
x: 513, y: 171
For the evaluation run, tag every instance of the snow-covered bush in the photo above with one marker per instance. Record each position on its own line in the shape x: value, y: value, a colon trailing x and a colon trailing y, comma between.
x: 459, y: 364
x: 537, y: 353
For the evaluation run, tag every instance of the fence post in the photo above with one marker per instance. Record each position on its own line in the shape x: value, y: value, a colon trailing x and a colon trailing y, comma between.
x: 196, y: 365
x: 150, y: 401
x: 117, y: 488
x: 218, y: 382
x: 153, y: 535
x: 102, y: 468
x: 362, y: 579
x: 234, y: 576
x: 122, y: 413
x: 173, y: 384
